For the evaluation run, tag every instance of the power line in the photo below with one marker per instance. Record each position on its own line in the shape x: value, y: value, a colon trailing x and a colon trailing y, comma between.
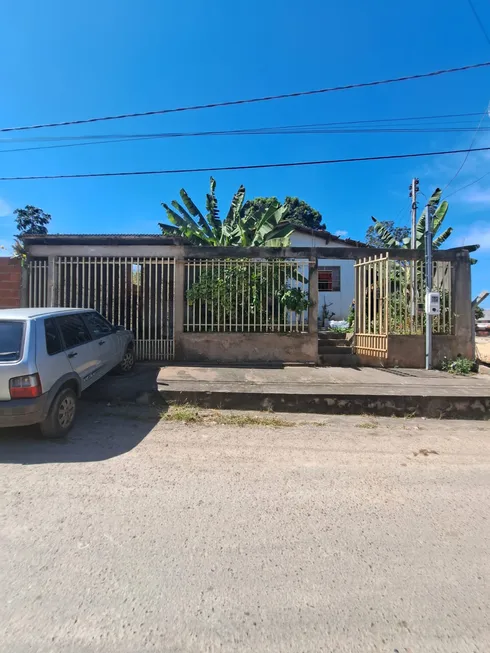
x: 478, y: 20
x: 131, y: 139
x: 473, y: 140
x: 326, y: 124
x: 260, y: 166
x: 266, y: 98
x: 475, y: 181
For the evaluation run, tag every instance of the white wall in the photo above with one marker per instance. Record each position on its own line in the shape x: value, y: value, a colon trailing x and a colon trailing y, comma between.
x: 341, y: 301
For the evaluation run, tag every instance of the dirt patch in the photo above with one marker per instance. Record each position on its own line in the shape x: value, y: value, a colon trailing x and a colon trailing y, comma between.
x: 189, y: 414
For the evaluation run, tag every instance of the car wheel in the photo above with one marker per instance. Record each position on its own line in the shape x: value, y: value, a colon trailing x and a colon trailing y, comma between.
x: 61, y: 415
x: 127, y: 363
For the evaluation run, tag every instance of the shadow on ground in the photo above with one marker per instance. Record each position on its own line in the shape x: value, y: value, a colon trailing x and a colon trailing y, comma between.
x: 139, y: 386
x: 101, y: 432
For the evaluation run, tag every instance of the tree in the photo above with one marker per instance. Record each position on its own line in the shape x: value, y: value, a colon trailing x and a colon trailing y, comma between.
x: 30, y: 220
x: 267, y: 228
x: 389, y: 238
x: 296, y: 211
x: 373, y: 239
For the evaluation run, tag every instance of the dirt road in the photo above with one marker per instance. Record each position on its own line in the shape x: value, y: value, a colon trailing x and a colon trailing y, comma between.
x: 348, y: 534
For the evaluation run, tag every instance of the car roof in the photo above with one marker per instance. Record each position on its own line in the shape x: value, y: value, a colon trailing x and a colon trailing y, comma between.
x: 29, y: 313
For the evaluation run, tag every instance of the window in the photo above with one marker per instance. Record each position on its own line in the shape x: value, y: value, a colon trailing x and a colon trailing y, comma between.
x: 73, y: 330
x: 11, y: 339
x: 53, y: 340
x: 329, y: 278
x: 97, y: 325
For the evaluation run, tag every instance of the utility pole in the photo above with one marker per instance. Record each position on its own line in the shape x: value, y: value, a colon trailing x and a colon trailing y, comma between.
x: 428, y: 286
x: 413, y: 189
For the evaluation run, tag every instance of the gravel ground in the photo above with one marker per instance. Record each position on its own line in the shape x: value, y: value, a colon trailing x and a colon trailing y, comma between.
x: 345, y: 534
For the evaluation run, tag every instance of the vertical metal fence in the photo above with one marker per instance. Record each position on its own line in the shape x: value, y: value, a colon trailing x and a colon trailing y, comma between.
x: 390, y: 299
x: 246, y: 295
x: 407, y: 297
x: 37, y: 295
x: 133, y: 291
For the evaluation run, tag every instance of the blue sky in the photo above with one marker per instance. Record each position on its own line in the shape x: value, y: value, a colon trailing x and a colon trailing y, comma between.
x: 63, y: 60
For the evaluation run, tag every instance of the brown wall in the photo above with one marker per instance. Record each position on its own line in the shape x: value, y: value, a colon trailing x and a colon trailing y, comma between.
x: 247, y: 347
x: 409, y: 351
x: 10, y: 280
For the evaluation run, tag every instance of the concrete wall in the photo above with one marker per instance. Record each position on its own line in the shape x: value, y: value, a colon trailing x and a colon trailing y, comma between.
x: 340, y: 301
x: 247, y: 347
x: 409, y: 351
x: 10, y: 282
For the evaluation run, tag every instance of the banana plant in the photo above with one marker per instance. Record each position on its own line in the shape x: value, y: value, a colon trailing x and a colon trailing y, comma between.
x: 269, y: 230
x: 438, y: 211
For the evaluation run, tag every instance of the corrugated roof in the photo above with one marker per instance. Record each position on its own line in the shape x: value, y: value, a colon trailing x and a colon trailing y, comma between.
x: 154, y: 239
x: 327, y: 236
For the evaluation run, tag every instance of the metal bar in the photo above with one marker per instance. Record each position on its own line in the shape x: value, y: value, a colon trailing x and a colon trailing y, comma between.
x: 243, y: 295
x: 138, y: 288
x: 164, y: 270
x: 212, y: 295
x: 194, y: 305
x: 206, y: 307
x: 144, y: 311
x: 154, y: 300
x: 230, y: 272
x: 387, y: 295
x: 255, y: 293
x: 149, y: 302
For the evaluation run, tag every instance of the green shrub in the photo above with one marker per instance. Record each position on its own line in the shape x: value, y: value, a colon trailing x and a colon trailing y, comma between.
x: 339, y: 329
x: 458, y: 365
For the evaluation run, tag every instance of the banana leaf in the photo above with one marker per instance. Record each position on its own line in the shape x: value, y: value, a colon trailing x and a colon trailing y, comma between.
x: 179, y: 221
x: 389, y: 240
x: 439, y: 216
x: 233, y: 215
x: 212, y: 207
x: 442, y: 238
x: 195, y: 212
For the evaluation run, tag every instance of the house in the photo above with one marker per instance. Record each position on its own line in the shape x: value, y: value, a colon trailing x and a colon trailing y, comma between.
x: 335, y: 277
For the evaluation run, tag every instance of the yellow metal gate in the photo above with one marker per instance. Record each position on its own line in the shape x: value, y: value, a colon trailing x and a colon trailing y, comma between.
x: 372, y: 280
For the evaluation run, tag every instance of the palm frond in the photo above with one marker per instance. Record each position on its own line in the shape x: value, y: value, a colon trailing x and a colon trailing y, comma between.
x: 233, y: 215
x: 388, y: 240
x: 442, y: 238
x: 439, y: 216
x: 195, y: 212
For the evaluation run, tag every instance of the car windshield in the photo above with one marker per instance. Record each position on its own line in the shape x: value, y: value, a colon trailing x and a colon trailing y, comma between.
x: 11, y: 336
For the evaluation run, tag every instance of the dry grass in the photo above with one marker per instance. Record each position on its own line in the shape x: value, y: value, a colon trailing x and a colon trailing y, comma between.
x: 366, y: 425
x: 189, y: 414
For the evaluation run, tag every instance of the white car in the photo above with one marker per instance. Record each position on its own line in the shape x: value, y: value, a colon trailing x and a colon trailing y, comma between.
x: 48, y: 356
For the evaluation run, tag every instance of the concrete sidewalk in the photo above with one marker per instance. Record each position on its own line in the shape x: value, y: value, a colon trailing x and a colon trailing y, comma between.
x: 328, y: 390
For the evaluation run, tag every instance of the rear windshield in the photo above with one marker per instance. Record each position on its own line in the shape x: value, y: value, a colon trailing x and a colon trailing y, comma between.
x: 11, y: 337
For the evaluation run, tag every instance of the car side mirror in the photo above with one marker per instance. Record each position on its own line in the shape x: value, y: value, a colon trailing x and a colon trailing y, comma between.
x: 119, y: 328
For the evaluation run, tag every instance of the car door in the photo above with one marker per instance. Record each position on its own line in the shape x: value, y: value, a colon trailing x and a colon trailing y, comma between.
x: 82, y: 351
x: 52, y: 361
x: 103, y: 333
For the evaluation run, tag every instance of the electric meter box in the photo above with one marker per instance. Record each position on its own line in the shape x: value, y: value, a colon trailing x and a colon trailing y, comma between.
x: 433, y: 303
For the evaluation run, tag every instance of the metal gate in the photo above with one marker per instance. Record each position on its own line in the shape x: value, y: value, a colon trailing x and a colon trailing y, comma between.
x: 372, y: 276
x: 136, y: 292
x: 390, y: 295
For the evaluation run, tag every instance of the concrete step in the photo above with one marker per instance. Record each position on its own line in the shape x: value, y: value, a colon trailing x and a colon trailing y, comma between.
x: 334, y: 349
x: 338, y: 360
x: 331, y: 335
x: 323, y: 390
x: 331, y: 342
